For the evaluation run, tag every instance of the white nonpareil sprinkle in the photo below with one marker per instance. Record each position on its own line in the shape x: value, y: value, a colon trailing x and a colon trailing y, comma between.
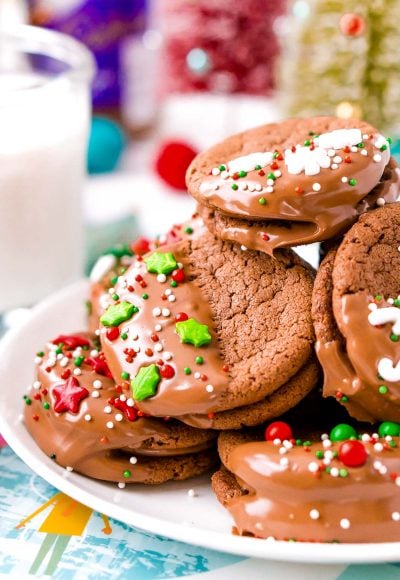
x: 130, y: 402
x: 372, y: 306
x: 158, y: 327
x: 364, y: 152
x: 97, y: 384
x: 118, y: 417
x: 191, y: 493
x: 316, y: 186
x: 97, y: 332
x: 158, y: 347
x: 110, y: 425
x: 277, y: 441
x: 288, y: 444
x: 283, y: 451
x: 243, y: 248
x: 197, y: 375
x: 313, y: 467
x: 122, y: 398
x: 270, y: 539
x: 171, y: 298
x: 345, y: 523
x: 396, y: 516
x: 94, y: 352
x: 334, y: 166
x: 324, y: 436
x: 95, y: 394
x: 334, y: 472
x: 258, y: 526
x: 326, y: 443
x: 215, y: 171
x: 166, y: 312
x: 133, y: 460
x: 331, y: 153
x: 377, y: 157
x: 107, y: 409
x: 69, y: 468
x: 270, y: 182
x: 269, y: 189
x: 284, y: 461
x: 344, y: 179
x: 397, y: 481
x: 380, y: 202
x: 209, y: 388
x: 337, y: 159
x: 156, y: 311
x: 36, y: 384
x: 354, y: 149
x: 167, y: 355
x: 121, y: 485
x: 314, y: 514
x: 168, y: 292
x: 161, y: 278
x: 378, y: 447
x: 77, y: 372
x: 88, y: 417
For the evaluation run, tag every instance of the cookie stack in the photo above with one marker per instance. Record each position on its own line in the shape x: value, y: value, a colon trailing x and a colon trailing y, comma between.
x: 211, y: 329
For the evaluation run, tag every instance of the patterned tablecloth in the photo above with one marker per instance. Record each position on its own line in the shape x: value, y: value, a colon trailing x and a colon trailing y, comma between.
x: 43, y: 531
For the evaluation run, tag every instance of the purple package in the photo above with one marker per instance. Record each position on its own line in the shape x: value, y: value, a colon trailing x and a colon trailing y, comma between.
x: 101, y: 25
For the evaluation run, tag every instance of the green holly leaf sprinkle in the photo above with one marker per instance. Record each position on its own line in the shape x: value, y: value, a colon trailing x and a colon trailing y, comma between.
x: 161, y: 263
x: 119, y: 251
x: 118, y: 313
x: 145, y: 383
x: 192, y: 332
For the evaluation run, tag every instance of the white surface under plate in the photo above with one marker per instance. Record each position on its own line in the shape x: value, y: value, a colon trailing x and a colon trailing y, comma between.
x: 168, y: 509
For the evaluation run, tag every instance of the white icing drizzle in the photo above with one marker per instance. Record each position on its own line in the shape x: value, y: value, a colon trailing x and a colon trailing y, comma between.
x: 339, y: 139
x: 102, y: 267
x: 249, y: 162
x: 388, y: 371
x: 384, y: 315
x: 308, y: 160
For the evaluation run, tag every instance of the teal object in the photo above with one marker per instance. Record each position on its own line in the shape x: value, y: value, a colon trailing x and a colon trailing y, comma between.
x: 106, y: 144
x: 395, y: 148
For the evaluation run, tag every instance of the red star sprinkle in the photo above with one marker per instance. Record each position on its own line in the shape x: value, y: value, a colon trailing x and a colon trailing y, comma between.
x: 99, y: 366
x: 68, y: 396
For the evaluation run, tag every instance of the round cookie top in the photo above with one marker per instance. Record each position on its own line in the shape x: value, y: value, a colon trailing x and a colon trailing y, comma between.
x: 312, y: 170
x: 336, y: 487
x: 201, y: 326
x: 79, y: 416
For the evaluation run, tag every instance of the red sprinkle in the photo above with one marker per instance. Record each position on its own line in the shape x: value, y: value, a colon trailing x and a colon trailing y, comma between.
x: 347, y: 159
x: 225, y: 368
x: 178, y: 275
x: 299, y: 190
x: 131, y: 288
x: 112, y: 333
x: 261, y: 172
x: 167, y: 372
x: 154, y: 337
x: 37, y: 397
x: 66, y: 374
x: 35, y: 417
x: 265, y: 237
x: 148, y: 352
x: 181, y: 317
x: 138, y: 278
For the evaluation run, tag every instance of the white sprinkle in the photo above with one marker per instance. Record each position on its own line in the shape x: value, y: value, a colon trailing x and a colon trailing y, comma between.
x: 133, y: 460
x: 161, y: 278
x: 365, y: 436
x: 258, y: 187
x: 158, y: 327
x: 95, y: 394
x: 380, y: 202
x: 88, y: 417
x: 97, y: 384
x: 136, y: 348
x: 377, y: 465
x: 69, y: 468
x: 77, y: 372
x: 209, y: 388
x: 278, y: 173
x: 252, y: 187
x: 215, y: 171
x: 324, y: 436
x: 64, y: 362
x: 314, y: 514
x: 224, y: 174
x: 345, y: 179
x: 60, y: 356
x: 168, y: 292
x: 197, y: 375
x: 364, y: 152
x: 269, y: 189
x: 328, y: 454
x: 284, y: 461
x: 277, y: 441
x: 283, y: 450
x: 121, y: 484
x: 97, y: 332
x: 167, y: 355
x: 134, y: 336
x: 191, y: 493
x: 166, y: 312
x: 365, y: 136
x: 157, y: 311
x: 345, y: 523
x: 397, y: 481
x: 243, y: 248
x: 334, y: 166
x: 390, y: 301
x: 334, y: 472
x: 244, y: 186
x: 51, y: 362
x: 158, y: 347
x: 288, y: 444
x: 258, y: 526
x: 107, y: 409
x: 36, y: 384
x: 130, y: 402
x: 111, y: 291
x: 316, y: 186
x: 378, y: 447
x: 326, y: 443
x: 354, y: 149
x: 95, y: 352
x: 171, y: 298
x: 270, y: 181
x: 118, y: 417
x: 372, y: 306
x: 326, y: 461
x: 331, y: 153
x: 383, y: 470
x: 270, y: 539
x: 110, y: 425
x: 337, y: 159
x: 377, y: 158
x: 313, y: 467
x: 396, y: 516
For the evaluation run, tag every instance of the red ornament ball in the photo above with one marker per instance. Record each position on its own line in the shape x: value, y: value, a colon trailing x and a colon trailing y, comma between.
x: 167, y: 372
x: 178, y: 275
x: 278, y: 430
x: 353, y: 453
x: 352, y: 24
x: 172, y: 161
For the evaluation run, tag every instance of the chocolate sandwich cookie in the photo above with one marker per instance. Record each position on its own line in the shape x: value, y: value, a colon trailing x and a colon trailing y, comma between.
x: 115, y: 261
x: 202, y: 326
x: 341, y: 487
x: 356, y: 309
x: 80, y: 417
x: 294, y: 182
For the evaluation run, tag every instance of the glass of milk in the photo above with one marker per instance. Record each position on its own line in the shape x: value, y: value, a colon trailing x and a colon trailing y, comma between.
x: 44, y: 120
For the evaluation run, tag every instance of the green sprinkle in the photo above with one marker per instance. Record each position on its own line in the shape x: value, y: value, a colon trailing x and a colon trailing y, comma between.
x: 383, y: 389
x: 79, y: 360
x: 161, y: 263
x: 311, y: 133
x: 222, y: 168
x: 306, y: 443
x: 127, y: 474
x: 344, y: 399
x: 188, y: 230
x: 389, y: 140
x: 125, y: 376
x: 115, y: 297
x: 335, y: 453
x: 262, y: 201
x: 242, y: 173
x: 114, y: 280
x: 257, y: 167
x: 88, y: 307
x: 174, y: 284
x: 192, y: 332
x: 394, y: 337
x: 235, y: 186
x: 119, y: 251
x: 396, y: 302
x: 319, y: 454
x: 199, y: 360
x: 328, y: 469
x: 28, y: 401
x: 392, y: 443
x: 360, y: 145
x: 118, y: 313
x: 187, y: 371
x: 299, y: 442
x: 124, y: 336
x: 352, y: 181
x: 52, y: 456
x: 271, y: 176
x: 58, y: 350
x: 343, y: 472
x: 145, y: 383
x: 383, y: 148
x: 46, y: 406
x: 145, y: 296
x: 307, y: 143
x: 40, y: 353
x: 378, y: 297
x: 85, y: 347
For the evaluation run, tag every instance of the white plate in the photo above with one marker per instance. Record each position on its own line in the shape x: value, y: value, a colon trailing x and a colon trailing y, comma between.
x: 165, y: 510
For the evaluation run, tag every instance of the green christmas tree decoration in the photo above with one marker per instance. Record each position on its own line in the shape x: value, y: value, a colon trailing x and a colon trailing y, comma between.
x: 192, y: 332
x: 145, y: 384
x: 161, y: 263
x: 118, y: 313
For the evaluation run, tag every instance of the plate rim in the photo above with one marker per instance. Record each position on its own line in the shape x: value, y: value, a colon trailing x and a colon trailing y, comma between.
x: 299, y: 552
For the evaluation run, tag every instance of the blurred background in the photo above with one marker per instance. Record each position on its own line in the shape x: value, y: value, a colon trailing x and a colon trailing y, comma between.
x: 175, y: 76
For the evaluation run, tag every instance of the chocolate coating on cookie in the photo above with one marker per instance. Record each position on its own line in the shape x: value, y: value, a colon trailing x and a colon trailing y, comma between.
x: 233, y: 329
x: 80, y: 417
x: 294, y: 182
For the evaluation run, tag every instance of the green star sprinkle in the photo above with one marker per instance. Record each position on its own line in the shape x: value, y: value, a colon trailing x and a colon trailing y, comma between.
x: 161, y: 263
x: 145, y: 383
x: 117, y: 313
x: 192, y: 332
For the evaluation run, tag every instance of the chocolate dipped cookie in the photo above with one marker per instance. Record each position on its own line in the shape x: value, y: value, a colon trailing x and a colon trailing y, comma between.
x: 80, y: 417
x: 201, y: 327
x: 318, y: 487
x: 356, y: 313
x: 294, y: 182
